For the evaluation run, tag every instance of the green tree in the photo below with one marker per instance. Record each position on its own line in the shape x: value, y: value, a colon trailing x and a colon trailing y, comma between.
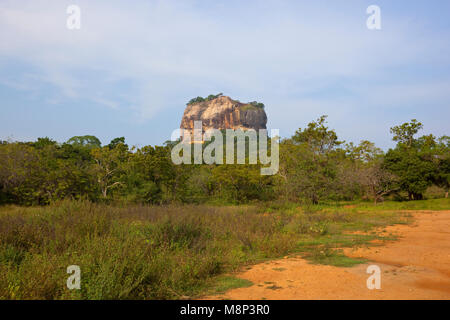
x: 116, y: 141
x: 151, y: 176
x: 240, y: 183
x: 367, y: 169
x: 308, y: 162
x: 109, y: 166
x: 404, y: 134
x: 41, y: 143
x: 317, y: 137
x: 85, y: 141
x: 412, y: 160
x: 442, y: 157
x: 19, y: 174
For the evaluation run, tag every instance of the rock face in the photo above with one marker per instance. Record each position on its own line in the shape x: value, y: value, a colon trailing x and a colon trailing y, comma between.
x: 224, y: 113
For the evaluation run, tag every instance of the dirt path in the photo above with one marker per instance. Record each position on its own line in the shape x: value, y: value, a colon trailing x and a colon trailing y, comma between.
x: 417, y: 266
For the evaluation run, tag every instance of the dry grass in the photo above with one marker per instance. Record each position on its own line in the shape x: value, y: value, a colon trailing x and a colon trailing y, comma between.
x: 156, y: 252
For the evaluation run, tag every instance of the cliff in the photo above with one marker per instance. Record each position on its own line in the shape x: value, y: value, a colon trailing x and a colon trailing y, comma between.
x: 224, y: 113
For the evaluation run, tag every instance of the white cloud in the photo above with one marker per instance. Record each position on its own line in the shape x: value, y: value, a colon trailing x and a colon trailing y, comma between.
x: 282, y: 53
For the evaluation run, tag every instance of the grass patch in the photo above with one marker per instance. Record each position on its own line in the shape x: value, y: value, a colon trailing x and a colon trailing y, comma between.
x: 225, y: 283
x: 334, y: 257
x: 430, y: 204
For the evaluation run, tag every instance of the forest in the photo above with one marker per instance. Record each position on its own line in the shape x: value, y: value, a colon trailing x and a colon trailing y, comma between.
x: 315, y: 167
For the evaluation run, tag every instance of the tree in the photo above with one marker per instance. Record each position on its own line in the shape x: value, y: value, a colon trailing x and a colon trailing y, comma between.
x: 365, y: 152
x: 108, y: 166
x: 414, y: 173
x: 318, y: 138
x: 437, y: 151
x: 116, y: 141
x: 20, y: 174
x: 213, y: 96
x: 362, y: 172
x: 196, y: 100
x: 90, y: 142
x: 150, y: 176
x: 376, y: 180
x: 201, y: 99
x: 240, y: 183
x: 257, y: 104
x: 308, y: 162
x: 41, y: 143
x: 412, y: 160
x: 442, y: 177
x: 404, y: 133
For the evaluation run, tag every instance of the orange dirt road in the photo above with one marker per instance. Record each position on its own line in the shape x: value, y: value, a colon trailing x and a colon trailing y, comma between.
x: 417, y: 266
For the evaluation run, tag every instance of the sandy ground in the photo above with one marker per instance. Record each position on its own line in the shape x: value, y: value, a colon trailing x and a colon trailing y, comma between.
x: 417, y: 266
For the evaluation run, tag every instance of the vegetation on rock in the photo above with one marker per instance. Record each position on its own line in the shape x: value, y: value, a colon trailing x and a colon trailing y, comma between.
x: 201, y: 99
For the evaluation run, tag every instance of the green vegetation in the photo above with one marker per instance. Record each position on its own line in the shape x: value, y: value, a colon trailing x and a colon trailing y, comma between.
x: 141, y: 227
x: 315, y: 167
x: 418, y: 163
x: 257, y: 104
x: 253, y: 105
x: 80, y: 141
x: 168, y: 252
x: 201, y: 99
x: 332, y: 257
x: 225, y: 283
x: 250, y: 107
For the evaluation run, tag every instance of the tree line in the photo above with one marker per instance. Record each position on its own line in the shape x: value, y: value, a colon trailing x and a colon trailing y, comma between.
x: 315, y: 166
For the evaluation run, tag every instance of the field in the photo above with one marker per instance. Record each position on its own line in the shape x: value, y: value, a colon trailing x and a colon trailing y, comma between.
x: 413, y: 267
x: 177, y: 252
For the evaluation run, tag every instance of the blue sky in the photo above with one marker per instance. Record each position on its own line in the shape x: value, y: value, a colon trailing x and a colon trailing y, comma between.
x: 133, y: 65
